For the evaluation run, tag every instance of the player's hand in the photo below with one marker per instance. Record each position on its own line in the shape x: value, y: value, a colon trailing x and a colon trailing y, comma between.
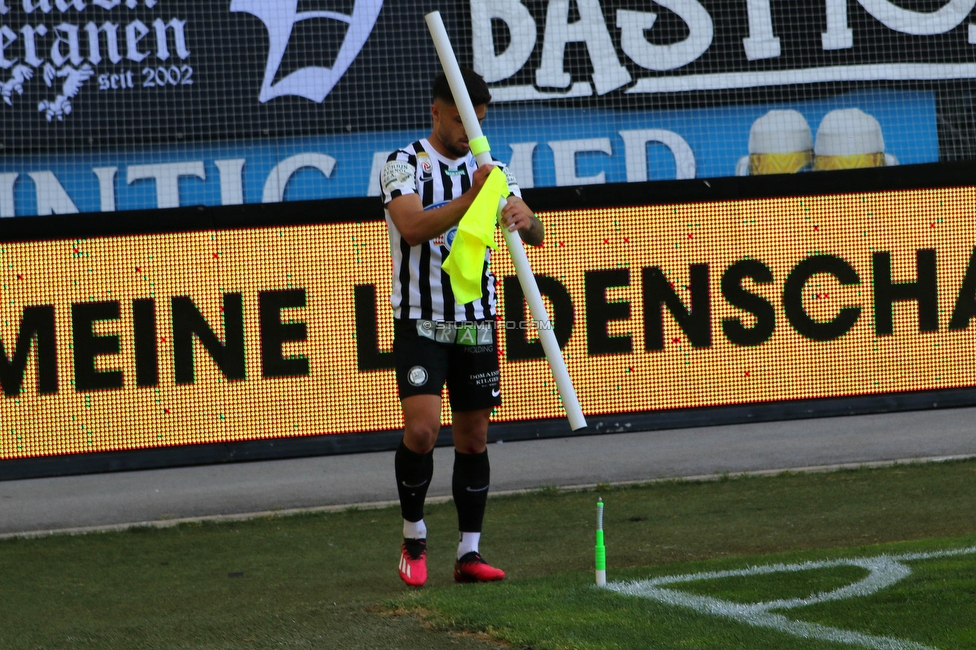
x: 480, y: 176
x: 516, y: 215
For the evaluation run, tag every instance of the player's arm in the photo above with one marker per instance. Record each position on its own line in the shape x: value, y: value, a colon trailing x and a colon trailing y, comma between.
x: 517, y: 216
x: 417, y: 225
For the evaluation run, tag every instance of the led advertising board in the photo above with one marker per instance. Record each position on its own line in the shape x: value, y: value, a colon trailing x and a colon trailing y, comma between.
x: 266, y: 332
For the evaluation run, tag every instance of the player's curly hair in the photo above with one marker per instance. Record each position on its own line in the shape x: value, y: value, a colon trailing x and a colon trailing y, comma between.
x: 477, y: 88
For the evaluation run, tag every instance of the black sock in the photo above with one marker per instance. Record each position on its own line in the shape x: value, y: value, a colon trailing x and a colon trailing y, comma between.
x: 472, y: 474
x: 413, y: 474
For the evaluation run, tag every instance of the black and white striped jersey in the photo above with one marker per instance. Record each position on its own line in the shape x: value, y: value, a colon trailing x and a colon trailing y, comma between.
x: 421, y: 288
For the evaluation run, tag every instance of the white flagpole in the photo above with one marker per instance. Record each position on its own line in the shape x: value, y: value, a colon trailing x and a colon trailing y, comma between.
x: 522, y: 268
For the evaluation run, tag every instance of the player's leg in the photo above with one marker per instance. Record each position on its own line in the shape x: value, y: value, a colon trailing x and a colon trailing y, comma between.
x: 420, y: 367
x: 414, y: 459
x: 472, y: 478
x: 473, y: 384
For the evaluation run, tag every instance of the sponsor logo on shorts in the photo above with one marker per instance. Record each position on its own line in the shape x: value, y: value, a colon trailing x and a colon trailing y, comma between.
x: 486, y: 379
x: 417, y: 376
x: 474, y: 337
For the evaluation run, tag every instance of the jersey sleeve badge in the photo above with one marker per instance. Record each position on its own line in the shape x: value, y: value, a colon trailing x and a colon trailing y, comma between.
x: 398, y: 175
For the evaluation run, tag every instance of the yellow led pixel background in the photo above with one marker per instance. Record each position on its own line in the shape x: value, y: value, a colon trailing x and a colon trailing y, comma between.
x: 780, y: 233
x: 612, y: 268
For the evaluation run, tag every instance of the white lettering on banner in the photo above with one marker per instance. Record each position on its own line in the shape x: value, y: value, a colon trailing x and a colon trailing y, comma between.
x: 311, y: 82
x: 30, y: 35
x: 838, y: 35
x: 135, y: 32
x: 51, y: 197
x: 231, y: 181
x: 521, y: 165
x: 167, y: 177
x: 43, y: 5
x: 522, y: 38
x: 131, y: 4
x: 633, y: 24
x: 179, y: 38
x: 7, y: 195
x: 64, y: 5
x: 67, y: 35
x: 761, y: 42
x: 919, y: 23
x: 67, y: 48
x: 635, y: 153
x: 106, y: 187
x: 564, y: 154
x: 66, y: 58
x: 111, y: 32
x: 552, y: 81
x: 274, y: 187
x: 7, y: 37
x: 591, y: 29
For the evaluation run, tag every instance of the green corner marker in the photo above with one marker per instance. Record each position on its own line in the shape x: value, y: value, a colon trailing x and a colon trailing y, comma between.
x: 601, y: 550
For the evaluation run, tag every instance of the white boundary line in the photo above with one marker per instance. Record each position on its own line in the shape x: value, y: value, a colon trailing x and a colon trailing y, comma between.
x: 373, y: 505
x: 883, y: 571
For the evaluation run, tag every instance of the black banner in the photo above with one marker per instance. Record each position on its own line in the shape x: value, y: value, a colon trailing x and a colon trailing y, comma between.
x: 90, y: 73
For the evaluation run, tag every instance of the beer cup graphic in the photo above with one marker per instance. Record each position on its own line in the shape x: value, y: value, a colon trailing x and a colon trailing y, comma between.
x: 780, y: 142
x: 849, y: 138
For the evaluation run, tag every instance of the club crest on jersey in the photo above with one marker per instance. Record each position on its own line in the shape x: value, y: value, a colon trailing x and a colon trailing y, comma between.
x: 425, y: 167
x: 447, y: 239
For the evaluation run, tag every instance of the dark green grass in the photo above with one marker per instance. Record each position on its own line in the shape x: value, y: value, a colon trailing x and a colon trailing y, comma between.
x: 329, y: 580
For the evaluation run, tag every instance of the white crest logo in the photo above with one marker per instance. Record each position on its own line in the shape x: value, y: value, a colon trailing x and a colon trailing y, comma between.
x: 60, y: 106
x: 313, y: 82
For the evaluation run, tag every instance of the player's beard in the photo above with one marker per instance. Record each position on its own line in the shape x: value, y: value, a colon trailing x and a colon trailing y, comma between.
x: 458, y: 148
x: 455, y: 146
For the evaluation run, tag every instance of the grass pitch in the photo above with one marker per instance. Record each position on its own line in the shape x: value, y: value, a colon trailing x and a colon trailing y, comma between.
x: 932, y: 607
x: 329, y: 580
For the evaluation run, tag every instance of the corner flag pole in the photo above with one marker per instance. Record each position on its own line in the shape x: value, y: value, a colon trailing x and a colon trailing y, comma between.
x: 600, y: 550
x: 479, y: 146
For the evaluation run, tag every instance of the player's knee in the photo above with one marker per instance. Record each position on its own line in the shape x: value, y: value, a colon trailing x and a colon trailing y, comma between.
x: 420, y: 437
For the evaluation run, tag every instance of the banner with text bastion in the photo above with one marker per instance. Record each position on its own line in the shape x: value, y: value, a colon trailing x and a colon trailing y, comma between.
x: 111, y: 105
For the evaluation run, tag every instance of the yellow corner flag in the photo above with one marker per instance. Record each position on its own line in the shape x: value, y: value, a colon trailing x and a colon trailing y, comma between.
x: 476, y: 231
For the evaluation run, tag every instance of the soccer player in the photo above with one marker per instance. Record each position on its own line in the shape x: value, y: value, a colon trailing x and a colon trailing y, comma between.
x: 427, y: 187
